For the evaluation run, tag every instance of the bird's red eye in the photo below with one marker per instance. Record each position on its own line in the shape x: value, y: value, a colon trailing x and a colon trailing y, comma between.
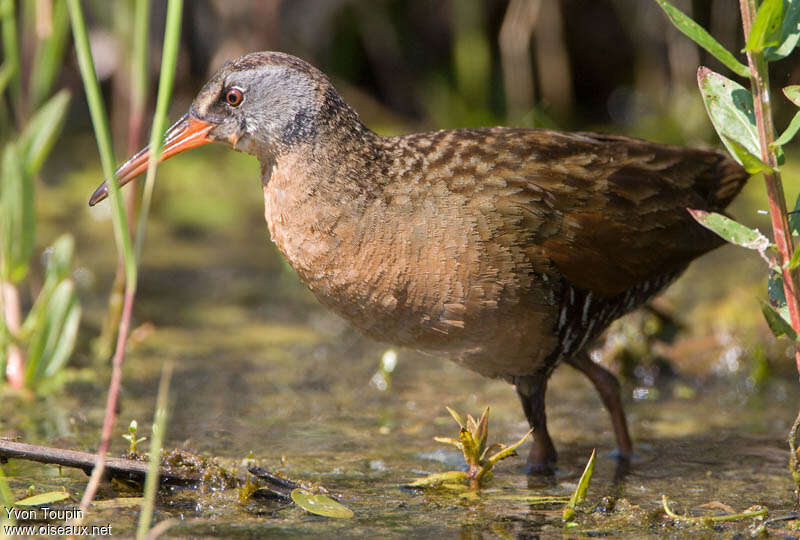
x: 233, y: 97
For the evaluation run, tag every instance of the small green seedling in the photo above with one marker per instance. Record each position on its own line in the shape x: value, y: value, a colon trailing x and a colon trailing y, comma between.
x: 480, y: 458
x: 580, y: 491
x: 132, y: 439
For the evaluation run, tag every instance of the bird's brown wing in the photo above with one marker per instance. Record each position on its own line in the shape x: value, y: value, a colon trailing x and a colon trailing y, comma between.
x: 610, y: 211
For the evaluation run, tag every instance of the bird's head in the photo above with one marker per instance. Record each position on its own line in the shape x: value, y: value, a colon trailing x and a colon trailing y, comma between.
x: 262, y: 103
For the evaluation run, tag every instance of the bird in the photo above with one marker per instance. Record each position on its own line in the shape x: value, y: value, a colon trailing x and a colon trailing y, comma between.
x: 507, y: 250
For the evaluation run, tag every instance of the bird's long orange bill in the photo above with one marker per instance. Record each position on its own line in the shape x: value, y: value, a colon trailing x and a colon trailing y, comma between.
x: 184, y: 134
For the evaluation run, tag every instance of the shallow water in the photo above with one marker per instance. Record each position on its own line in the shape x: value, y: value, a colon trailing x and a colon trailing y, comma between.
x: 262, y: 371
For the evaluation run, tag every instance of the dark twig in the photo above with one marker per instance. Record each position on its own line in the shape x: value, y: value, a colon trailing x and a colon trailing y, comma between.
x: 129, y: 469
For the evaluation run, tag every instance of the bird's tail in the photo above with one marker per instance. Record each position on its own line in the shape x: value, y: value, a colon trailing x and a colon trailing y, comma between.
x: 722, y: 181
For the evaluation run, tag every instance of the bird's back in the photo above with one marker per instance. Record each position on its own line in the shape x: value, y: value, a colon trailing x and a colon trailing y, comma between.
x: 497, y: 246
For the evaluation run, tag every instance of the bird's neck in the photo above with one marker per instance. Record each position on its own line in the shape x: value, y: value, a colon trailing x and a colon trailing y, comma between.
x: 316, y: 193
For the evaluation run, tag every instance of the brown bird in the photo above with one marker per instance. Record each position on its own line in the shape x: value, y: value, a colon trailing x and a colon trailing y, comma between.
x: 507, y: 250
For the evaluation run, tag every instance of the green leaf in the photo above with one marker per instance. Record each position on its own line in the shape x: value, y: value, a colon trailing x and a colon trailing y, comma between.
x: 508, y: 450
x: 794, y: 217
x: 731, y: 231
x: 790, y: 32
x: 41, y: 133
x: 730, y: 108
x: 580, y: 491
x: 777, y: 324
x: 456, y: 417
x: 6, y: 72
x: 320, y: 504
x: 699, y: 35
x: 43, y: 498
x: 790, y: 131
x: 17, y: 223
x: 433, y: 480
x: 52, y: 341
x: 766, y: 29
x: 776, y: 292
x: 750, y: 162
x: 794, y: 262
x: 58, y: 264
x: 792, y: 93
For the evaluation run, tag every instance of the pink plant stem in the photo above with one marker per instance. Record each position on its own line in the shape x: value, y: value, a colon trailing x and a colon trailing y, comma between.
x: 15, y: 360
x: 113, y: 397
x: 759, y: 82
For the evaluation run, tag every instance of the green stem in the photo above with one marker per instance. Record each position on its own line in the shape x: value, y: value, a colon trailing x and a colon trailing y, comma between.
x: 154, y: 460
x: 103, y: 136
x: 11, y: 55
x: 759, y: 82
x: 169, y: 59
x: 711, y: 519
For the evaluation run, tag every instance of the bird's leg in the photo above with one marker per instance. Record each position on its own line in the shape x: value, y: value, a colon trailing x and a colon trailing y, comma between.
x: 607, y: 386
x: 531, y: 390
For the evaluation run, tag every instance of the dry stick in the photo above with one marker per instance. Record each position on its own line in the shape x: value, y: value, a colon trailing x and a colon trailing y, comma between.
x: 759, y: 82
x: 130, y: 469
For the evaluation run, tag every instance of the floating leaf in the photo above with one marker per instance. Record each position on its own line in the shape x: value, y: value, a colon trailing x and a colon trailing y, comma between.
x: 777, y: 324
x: 43, y: 498
x: 580, y: 491
x: 730, y: 108
x: 730, y: 230
x: 320, y: 504
x: 699, y: 35
x: 766, y: 29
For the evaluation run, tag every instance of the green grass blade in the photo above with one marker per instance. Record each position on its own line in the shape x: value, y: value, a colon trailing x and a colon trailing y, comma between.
x: 103, y: 136
x: 6, y: 498
x: 42, y: 131
x: 11, y: 49
x: 139, y: 79
x: 50, y: 55
x: 699, y: 35
x: 154, y: 460
x: 17, y: 220
x: 169, y: 59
